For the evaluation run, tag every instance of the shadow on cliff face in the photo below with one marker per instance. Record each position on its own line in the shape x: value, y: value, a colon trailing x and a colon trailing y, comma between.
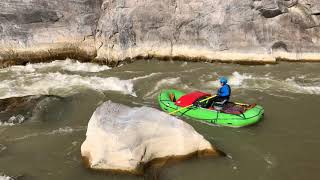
x: 32, y: 16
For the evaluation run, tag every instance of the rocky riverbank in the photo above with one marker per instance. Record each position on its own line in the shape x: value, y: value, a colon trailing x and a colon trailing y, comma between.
x: 108, y: 31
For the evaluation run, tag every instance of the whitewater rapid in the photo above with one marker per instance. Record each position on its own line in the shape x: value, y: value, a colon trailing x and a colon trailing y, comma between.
x: 58, y: 78
x: 269, y: 82
x: 5, y: 178
x: 66, y: 77
x: 289, y: 92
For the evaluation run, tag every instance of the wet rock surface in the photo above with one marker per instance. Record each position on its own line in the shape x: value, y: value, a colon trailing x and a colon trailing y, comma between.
x: 16, y: 110
x: 125, y: 139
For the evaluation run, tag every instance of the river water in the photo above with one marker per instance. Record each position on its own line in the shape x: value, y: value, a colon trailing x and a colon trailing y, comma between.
x: 285, y: 145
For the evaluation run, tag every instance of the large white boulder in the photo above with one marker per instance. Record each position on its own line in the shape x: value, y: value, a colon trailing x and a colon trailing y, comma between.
x: 122, y: 138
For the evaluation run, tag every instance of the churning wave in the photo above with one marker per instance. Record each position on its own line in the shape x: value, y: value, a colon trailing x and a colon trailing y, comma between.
x: 163, y: 83
x: 4, y: 177
x: 268, y: 82
x: 60, y: 84
x: 13, y: 120
x: 51, y: 79
x: 68, y: 64
x: 145, y: 77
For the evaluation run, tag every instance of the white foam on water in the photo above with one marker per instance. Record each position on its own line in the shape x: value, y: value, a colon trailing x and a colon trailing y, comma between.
x: 293, y: 86
x: 184, y: 64
x: 133, y: 72
x: 191, y: 70
x: 237, y: 79
x: 145, y: 77
x: 268, y: 161
x: 36, y: 79
x: 2, y: 148
x: 268, y: 82
x: 68, y: 64
x: 18, y: 119
x: 4, y: 177
x: 61, y: 84
x: 13, y: 120
x: 66, y: 130
x: 162, y: 83
x: 61, y: 131
x: 6, y: 124
x: 86, y: 67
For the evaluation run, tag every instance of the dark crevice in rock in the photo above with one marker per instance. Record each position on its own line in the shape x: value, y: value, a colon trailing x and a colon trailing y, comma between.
x: 282, y: 7
x: 127, y: 36
x: 32, y: 16
x: 270, y: 13
x: 87, y: 37
x: 312, y: 27
x: 280, y: 45
x: 144, y: 153
x: 97, y: 18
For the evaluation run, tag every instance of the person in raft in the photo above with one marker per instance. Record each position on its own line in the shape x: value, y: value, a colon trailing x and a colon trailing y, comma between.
x: 223, y: 94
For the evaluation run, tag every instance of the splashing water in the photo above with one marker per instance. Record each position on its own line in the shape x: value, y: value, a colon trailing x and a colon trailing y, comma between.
x: 4, y: 177
x: 68, y: 64
x: 34, y: 80
x: 162, y: 83
x: 268, y: 82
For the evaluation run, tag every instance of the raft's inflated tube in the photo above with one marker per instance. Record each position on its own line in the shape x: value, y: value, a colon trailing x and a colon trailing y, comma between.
x: 251, y: 115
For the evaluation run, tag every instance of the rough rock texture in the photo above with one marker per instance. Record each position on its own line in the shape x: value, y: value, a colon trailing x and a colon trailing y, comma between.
x: 47, y: 29
x: 263, y: 30
x: 124, y: 138
x: 211, y: 29
x: 16, y: 110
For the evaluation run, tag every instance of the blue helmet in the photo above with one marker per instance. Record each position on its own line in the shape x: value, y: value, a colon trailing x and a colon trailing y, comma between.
x: 223, y: 80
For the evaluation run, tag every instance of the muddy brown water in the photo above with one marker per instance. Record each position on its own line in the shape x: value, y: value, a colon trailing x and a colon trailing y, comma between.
x: 284, y: 145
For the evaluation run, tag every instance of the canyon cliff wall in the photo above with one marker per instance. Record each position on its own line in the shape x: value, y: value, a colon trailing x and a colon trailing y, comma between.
x: 115, y: 30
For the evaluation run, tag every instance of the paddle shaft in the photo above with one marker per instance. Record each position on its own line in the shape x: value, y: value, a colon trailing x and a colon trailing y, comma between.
x: 241, y: 104
x: 173, y: 112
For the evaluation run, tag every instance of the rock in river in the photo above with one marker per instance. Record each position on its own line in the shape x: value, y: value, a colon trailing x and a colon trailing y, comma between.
x: 16, y: 110
x: 124, y: 138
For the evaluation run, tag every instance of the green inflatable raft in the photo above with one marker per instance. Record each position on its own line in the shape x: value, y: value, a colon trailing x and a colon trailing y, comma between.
x: 230, y: 114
